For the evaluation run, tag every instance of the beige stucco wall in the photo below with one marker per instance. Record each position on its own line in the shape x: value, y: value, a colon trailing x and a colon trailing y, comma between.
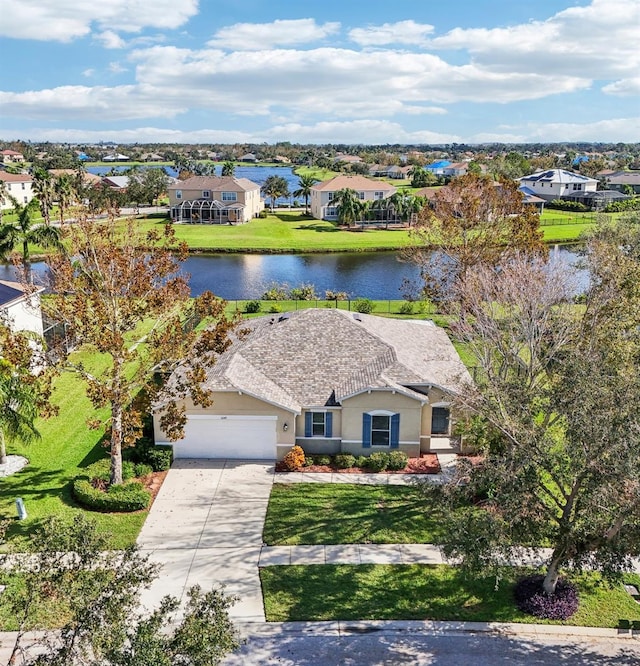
x: 353, y: 408
x: 251, y: 199
x: 232, y: 403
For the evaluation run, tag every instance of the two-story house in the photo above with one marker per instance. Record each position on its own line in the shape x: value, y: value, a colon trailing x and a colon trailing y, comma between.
x: 322, y: 194
x: 558, y: 184
x: 19, y: 186
x: 215, y: 200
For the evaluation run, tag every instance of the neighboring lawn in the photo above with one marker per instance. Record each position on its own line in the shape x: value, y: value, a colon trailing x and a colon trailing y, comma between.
x: 325, y: 513
x: 421, y: 592
x: 67, y: 445
x: 284, y: 232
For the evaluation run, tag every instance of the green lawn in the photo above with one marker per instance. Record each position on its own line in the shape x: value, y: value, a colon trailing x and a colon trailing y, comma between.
x: 421, y: 592
x: 67, y: 445
x: 324, y: 513
x: 285, y: 232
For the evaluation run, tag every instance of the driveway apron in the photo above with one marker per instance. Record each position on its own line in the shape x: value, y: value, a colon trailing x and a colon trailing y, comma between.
x: 205, y: 528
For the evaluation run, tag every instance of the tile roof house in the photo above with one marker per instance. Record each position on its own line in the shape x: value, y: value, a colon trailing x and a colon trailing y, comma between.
x: 558, y: 184
x: 19, y: 186
x: 617, y: 180
x: 214, y: 200
x: 368, y: 190
x: 11, y: 157
x: 329, y: 380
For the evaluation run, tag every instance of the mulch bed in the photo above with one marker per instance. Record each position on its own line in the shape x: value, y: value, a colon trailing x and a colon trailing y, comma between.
x: 153, y: 482
x: 426, y: 464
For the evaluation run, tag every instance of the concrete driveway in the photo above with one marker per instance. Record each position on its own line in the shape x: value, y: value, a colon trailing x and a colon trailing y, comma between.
x: 205, y: 527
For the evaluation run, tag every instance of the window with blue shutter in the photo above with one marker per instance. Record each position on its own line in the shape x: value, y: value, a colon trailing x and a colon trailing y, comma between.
x: 307, y: 424
x: 366, y: 431
x: 395, y: 431
x: 328, y: 425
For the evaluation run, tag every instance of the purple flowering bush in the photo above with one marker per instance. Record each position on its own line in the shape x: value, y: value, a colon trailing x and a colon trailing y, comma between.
x: 531, y: 598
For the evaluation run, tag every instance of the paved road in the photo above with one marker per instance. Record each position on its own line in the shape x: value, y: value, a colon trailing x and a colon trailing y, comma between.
x: 431, y: 650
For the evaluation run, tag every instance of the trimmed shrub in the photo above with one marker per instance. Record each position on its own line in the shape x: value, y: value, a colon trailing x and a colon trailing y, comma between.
x: 344, y: 460
x: 99, y: 472
x: 364, y: 305
x: 397, y: 460
x: 294, y: 459
x: 159, y: 457
x: 621, y: 206
x: 122, y: 498
x: 275, y: 308
x: 378, y: 462
x: 406, y: 308
x: 308, y: 461
x: 361, y: 461
x: 323, y: 460
x: 563, y: 204
x: 531, y: 598
x: 251, y: 307
x: 142, y: 469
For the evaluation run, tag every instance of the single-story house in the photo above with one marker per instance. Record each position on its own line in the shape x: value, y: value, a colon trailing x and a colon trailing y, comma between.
x: 116, y: 157
x: 117, y: 183
x: 438, y: 167
x: 19, y: 309
x: 249, y: 157
x: 322, y: 194
x: 558, y: 184
x: 330, y: 381
x: 19, y: 186
x: 456, y: 169
x: 214, y: 200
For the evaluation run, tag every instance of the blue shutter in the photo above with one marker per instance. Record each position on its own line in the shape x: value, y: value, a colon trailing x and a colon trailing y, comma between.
x: 328, y: 424
x: 395, y: 431
x: 366, y: 431
x: 307, y: 424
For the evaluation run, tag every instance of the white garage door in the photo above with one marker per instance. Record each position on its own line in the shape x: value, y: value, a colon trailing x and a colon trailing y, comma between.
x: 251, y: 437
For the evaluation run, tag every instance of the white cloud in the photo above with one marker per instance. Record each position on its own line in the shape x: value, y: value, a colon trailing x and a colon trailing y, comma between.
x: 402, y: 32
x: 88, y: 72
x: 66, y: 20
x: 282, y: 32
x: 117, y: 68
x: 624, y: 87
x: 110, y: 40
x: 598, y: 41
x: 612, y: 130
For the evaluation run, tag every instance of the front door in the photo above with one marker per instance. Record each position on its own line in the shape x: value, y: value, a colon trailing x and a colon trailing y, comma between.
x: 440, y: 420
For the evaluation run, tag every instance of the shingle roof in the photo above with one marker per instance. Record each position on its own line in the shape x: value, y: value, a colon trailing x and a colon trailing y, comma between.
x: 311, y: 357
x: 216, y: 183
x: 358, y: 183
x: 15, y: 177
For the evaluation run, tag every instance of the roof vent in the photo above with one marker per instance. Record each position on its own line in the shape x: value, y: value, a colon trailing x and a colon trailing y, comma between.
x: 356, y: 316
x: 284, y: 317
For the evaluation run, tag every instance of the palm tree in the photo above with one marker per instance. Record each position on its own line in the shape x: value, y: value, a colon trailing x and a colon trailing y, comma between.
x: 348, y: 205
x: 4, y: 195
x: 18, y: 410
x: 274, y: 187
x: 64, y: 194
x: 23, y: 231
x: 305, y: 182
x: 43, y: 186
x: 228, y: 168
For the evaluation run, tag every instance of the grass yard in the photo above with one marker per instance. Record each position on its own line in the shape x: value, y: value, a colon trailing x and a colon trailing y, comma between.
x: 67, y: 445
x: 422, y: 592
x: 324, y: 513
x: 284, y: 232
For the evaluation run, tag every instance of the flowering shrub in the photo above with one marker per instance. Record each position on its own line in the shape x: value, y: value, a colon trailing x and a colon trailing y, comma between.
x: 294, y: 459
x: 531, y: 598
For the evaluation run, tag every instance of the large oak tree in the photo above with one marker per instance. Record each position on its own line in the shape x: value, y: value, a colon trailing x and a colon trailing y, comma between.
x: 122, y: 293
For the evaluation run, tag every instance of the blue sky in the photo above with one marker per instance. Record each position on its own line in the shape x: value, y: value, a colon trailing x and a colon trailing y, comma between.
x: 349, y: 71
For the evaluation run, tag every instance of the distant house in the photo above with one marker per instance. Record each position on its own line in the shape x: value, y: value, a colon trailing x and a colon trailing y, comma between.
x: 214, y: 200
x: 281, y: 159
x: 87, y: 178
x: 558, y: 184
x: 115, y: 157
x: 368, y: 190
x: 19, y: 186
x: 389, y: 171
x: 456, y: 169
x: 11, y: 157
x: 249, y: 157
x: 347, y: 159
x: 620, y: 180
x: 117, y: 183
x: 437, y: 168
x: 151, y: 157
x: 19, y: 309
